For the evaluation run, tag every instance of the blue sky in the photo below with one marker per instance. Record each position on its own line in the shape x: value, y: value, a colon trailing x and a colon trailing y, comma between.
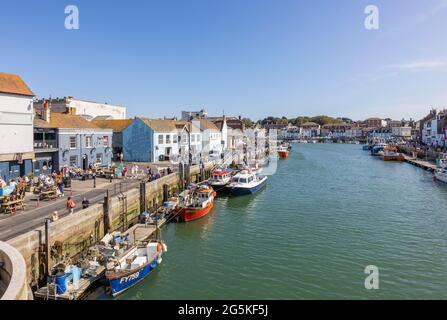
x: 253, y: 58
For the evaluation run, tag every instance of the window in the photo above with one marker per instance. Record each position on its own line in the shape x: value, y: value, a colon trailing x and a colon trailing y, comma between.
x: 160, y: 139
x: 168, y: 138
x: 184, y: 138
x: 73, y: 142
x: 193, y: 138
x: 105, y: 141
x: 99, y: 158
x: 73, y: 161
x: 88, y: 142
x: 174, y: 138
x: 198, y: 138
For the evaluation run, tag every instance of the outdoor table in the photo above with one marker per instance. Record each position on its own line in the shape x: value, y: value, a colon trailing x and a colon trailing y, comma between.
x: 12, y: 206
x: 48, y: 195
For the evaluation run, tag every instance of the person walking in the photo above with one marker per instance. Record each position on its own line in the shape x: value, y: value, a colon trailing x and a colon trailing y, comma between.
x: 70, y: 205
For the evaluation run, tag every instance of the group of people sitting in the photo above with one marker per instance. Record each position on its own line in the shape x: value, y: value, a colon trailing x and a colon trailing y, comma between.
x: 19, y: 186
x: 53, y: 182
x: 151, y: 176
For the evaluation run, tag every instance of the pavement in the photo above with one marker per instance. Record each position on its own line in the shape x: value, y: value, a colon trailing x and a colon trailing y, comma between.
x: 12, y: 225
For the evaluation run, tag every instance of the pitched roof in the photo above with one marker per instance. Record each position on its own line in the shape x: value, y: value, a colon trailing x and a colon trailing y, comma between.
x: 310, y: 124
x: 106, y: 117
x: 207, y: 125
x: 115, y: 125
x: 64, y: 121
x: 11, y: 83
x: 160, y: 125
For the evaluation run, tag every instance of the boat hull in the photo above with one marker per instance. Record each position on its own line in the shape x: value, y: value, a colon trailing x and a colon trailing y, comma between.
x: 393, y: 158
x: 283, y: 154
x: 440, y: 177
x: 190, y: 214
x: 239, y: 191
x: 119, y: 284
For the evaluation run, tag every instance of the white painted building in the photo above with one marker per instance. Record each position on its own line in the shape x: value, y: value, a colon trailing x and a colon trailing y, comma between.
x: 354, y: 132
x: 87, y: 109
x: 212, y: 143
x: 401, y: 132
x: 293, y: 133
x: 16, y: 127
x: 310, y: 130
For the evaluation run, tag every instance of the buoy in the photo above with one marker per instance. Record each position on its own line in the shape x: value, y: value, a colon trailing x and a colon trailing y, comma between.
x: 165, y: 247
x: 158, y: 247
x: 159, y: 260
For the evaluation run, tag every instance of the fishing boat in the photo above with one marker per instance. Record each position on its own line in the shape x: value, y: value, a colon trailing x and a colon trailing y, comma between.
x: 283, y: 152
x: 195, y: 202
x: 220, y: 178
x: 390, y: 154
x: 134, y: 265
x: 441, y: 175
x: 246, y: 182
x: 377, y: 149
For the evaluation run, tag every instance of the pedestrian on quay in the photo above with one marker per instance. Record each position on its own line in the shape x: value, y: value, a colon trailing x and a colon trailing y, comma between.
x: 60, y: 185
x: 85, y: 203
x: 70, y: 205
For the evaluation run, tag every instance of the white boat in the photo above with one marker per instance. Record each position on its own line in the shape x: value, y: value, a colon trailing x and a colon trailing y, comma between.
x: 246, y: 182
x: 220, y: 177
x: 441, y: 175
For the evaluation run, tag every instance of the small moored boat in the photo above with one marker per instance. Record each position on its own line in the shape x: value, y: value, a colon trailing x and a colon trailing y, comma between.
x: 246, y: 182
x: 134, y: 266
x: 283, y: 152
x: 195, y: 202
x: 377, y: 149
x: 390, y: 154
x: 441, y: 175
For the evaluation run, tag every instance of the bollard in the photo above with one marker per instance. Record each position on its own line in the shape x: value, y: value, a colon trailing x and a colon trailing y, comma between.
x: 165, y: 193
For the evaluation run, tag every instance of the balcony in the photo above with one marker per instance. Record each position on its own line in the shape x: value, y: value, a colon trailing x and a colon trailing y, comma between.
x: 45, y: 146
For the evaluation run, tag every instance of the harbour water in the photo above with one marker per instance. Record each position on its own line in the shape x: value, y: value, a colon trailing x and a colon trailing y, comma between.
x: 328, y: 212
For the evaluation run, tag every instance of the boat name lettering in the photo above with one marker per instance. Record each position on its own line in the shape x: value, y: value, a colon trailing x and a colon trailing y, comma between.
x: 130, y: 277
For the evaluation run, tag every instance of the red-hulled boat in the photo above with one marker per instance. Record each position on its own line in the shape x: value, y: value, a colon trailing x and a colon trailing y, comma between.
x: 196, y: 203
x: 283, y: 152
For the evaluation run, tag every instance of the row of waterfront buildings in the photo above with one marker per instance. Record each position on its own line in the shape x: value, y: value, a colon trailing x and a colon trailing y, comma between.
x: 430, y: 131
x: 42, y: 136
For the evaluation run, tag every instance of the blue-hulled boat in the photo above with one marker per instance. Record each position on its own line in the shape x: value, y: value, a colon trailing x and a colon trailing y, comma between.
x: 246, y: 182
x: 134, y: 266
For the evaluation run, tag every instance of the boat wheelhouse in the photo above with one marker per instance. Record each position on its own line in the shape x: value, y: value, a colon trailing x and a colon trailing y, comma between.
x: 377, y: 149
x: 220, y: 178
x: 442, y: 160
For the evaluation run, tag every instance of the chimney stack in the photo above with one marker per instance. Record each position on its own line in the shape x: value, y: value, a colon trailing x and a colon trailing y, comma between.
x: 46, y: 111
